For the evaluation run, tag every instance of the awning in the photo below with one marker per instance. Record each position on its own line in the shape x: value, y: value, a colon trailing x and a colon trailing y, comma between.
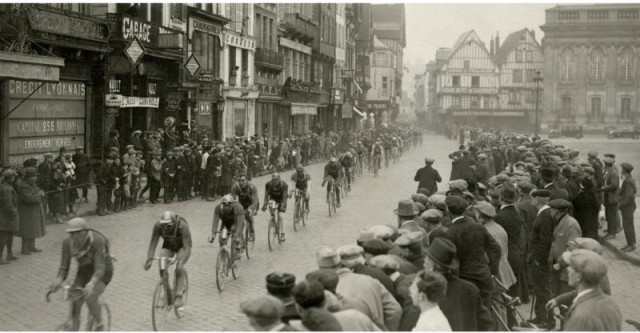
x: 359, y: 112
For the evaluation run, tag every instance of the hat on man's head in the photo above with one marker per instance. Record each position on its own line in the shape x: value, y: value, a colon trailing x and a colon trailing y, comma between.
x: 486, y: 209
x: 541, y: 193
x: 264, y: 306
x: 349, y: 252
x: 384, y: 262
x: 591, y: 266
x: 382, y: 231
x: 432, y: 215
x: 508, y: 193
x: 560, y: 204
x: 406, y: 209
x: 429, y: 160
x: 608, y: 161
x: 327, y: 258
x: 439, y: 200
x: 327, y: 277
x: 587, y: 244
x: 419, y: 207
x: 627, y: 167
x: 366, y: 235
x: 408, y: 239
x: 547, y: 174
x: 279, y: 280
x: 421, y: 198
x: 610, y: 155
x: 9, y: 173
x: 48, y: 155
x: 458, y: 184
x: 501, y: 178
x: 443, y: 253
x: 30, y: 172
x: 592, y: 154
x: 376, y: 247
x: 456, y: 204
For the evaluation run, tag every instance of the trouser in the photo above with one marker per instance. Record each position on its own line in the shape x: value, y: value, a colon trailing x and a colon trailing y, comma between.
x: 6, y: 241
x: 92, y: 303
x: 181, y: 272
x: 611, y: 214
x: 188, y: 184
x: 85, y: 190
x: 627, y: 224
x: 146, y: 188
x: 203, y: 185
x: 248, y: 216
x: 155, y: 186
x: 212, y: 186
x: 179, y: 186
x: 558, y: 286
x: 169, y: 191
x: 347, y: 172
x: 333, y: 183
x: 541, y: 290
x: 28, y: 245
x: 102, y: 193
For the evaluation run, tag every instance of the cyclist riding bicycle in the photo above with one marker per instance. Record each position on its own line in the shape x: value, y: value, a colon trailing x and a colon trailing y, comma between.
x: 232, y: 215
x: 95, y: 268
x: 247, y: 195
x: 301, y: 179
x: 332, y: 172
x: 377, y: 152
x: 346, y: 161
x: 176, y: 241
x: 278, y: 191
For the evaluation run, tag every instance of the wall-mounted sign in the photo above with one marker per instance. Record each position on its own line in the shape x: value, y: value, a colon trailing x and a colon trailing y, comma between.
x: 482, y: 113
x: 192, y: 65
x: 134, y: 51
x: 112, y: 111
x: 140, y: 102
x: 205, y: 76
x: 170, y: 41
x: 18, y: 70
x: 113, y: 100
x: 133, y: 28
x: 204, y: 108
x: 169, y: 121
x: 206, y: 27
x: 243, y: 42
x: 377, y: 105
x: 46, y: 21
x: 114, y: 86
x: 337, y: 96
x: 173, y: 104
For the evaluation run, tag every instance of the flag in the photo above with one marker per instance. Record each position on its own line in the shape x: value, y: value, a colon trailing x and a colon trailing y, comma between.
x: 357, y: 86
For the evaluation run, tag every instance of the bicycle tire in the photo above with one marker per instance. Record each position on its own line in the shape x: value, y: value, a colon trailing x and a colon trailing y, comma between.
x: 232, y: 261
x: 106, y: 318
x: 159, y: 314
x: 304, y: 212
x: 330, y: 202
x: 296, y: 216
x: 271, y: 234
x: 279, y: 231
x: 185, y: 296
x: 222, y: 269
x: 248, y: 245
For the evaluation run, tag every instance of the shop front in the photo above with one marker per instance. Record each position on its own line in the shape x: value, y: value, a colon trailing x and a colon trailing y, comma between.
x: 239, y: 114
x: 379, y: 111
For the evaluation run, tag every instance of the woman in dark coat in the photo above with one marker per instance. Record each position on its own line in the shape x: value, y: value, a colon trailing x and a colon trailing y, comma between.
x: 586, y: 208
x: 31, y: 209
x: 83, y: 169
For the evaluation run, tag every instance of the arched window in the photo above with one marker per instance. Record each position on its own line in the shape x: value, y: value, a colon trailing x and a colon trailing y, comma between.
x: 626, y: 64
x: 596, y: 65
x: 567, y: 65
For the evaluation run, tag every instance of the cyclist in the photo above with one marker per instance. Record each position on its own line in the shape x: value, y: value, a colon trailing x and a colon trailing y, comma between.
x: 301, y: 178
x: 346, y: 162
x: 387, y: 144
x: 332, y: 172
x: 176, y: 241
x: 278, y: 191
x: 377, y: 153
x: 247, y: 195
x: 361, y: 149
x: 232, y: 216
x: 95, y: 268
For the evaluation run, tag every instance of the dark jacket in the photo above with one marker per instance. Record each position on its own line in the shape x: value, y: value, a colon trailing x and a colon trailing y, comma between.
x: 585, y: 211
x: 611, y: 187
x: 31, y: 210
x: 628, y: 193
x: 594, y: 311
x: 8, y: 208
x: 461, y: 168
x: 463, y: 306
x: 509, y: 218
x: 428, y: 178
x: 541, y: 237
x: 378, y: 275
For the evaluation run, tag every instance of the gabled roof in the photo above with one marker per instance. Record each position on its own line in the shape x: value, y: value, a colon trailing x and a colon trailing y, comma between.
x: 510, y: 44
x: 461, y: 39
x: 378, y: 44
x: 469, y: 36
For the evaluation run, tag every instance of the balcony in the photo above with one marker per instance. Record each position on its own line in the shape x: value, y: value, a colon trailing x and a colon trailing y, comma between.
x: 299, y: 27
x: 269, y: 58
x: 328, y: 50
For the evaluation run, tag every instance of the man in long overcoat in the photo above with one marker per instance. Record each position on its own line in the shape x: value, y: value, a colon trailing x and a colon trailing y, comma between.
x: 428, y: 177
x: 9, y: 219
x: 31, y: 210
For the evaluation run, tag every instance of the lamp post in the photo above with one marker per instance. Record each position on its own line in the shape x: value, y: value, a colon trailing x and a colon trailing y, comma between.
x: 537, y: 79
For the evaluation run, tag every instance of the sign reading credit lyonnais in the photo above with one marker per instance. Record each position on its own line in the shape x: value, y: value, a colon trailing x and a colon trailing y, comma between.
x: 63, y: 89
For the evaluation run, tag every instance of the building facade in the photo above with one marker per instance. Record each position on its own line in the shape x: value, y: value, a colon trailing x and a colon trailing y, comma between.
x: 591, y: 73
x: 381, y: 96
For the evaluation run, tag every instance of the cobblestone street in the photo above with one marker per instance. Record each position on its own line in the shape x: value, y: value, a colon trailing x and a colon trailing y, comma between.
x: 371, y: 202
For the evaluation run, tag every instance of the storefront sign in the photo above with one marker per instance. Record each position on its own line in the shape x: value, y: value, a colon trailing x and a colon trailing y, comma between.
x: 29, y: 71
x: 204, y: 108
x: 242, y: 42
x: 112, y: 111
x: 135, y: 28
x: 170, y: 41
x: 477, y: 113
x: 55, y: 90
x: 337, y: 96
x: 469, y: 90
x: 134, y: 51
x: 298, y: 109
x: 205, y: 76
x: 140, y: 102
x: 173, y: 104
x: 60, y: 24
x: 48, y: 127
x: 377, y: 105
x: 192, y: 65
x: 199, y: 25
x: 113, y: 100
x: 347, y: 110
x: 150, y: 34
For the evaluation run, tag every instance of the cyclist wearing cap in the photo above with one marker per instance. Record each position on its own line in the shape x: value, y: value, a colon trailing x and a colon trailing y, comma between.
x: 95, y: 268
x: 247, y: 195
x: 176, y: 241
x: 232, y: 215
x: 277, y: 190
x: 333, y: 172
x: 301, y: 179
x: 377, y: 152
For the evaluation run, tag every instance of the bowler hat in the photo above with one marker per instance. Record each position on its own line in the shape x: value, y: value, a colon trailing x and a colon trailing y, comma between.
x: 547, y: 174
x: 443, y: 252
x: 508, y: 193
x: 406, y: 208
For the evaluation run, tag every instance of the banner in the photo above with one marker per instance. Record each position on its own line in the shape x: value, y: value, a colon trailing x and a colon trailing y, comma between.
x: 115, y: 100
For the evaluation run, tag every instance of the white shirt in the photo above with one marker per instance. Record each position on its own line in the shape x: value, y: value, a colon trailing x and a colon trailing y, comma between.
x: 203, y: 165
x: 456, y: 219
x: 543, y: 208
x: 432, y: 320
x: 581, y: 294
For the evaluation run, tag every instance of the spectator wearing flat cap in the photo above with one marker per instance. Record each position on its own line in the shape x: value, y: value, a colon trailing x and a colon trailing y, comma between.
x: 509, y: 218
x: 486, y: 215
x: 462, y: 304
x: 586, y: 209
x: 428, y: 177
x: 611, y: 191
x: 310, y: 302
x: 482, y: 172
x: 408, y: 217
x: 432, y: 221
x: 411, y: 244
x: 380, y: 305
x: 461, y: 167
x: 169, y: 177
x: 264, y: 314
x: 474, y: 246
x: 31, y: 211
x: 566, y: 230
x: 279, y: 285
x: 627, y: 206
x: 592, y: 310
x: 352, y: 257
x: 548, y: 183
x: 377, y: 247
x: 329, y: 280
x: 9, y: 216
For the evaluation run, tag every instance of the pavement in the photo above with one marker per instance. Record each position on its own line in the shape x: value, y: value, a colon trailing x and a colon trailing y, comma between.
x: 371, y: 202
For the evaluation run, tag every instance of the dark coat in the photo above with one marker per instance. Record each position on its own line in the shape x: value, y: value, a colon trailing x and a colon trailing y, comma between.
x: 585, y: 211
x: 83, y: 168
x: 611, y: 187
x: 45, y: 171
x: 556, y: 191
x: 9, y: 220
x: 510, y: 219
x: 463, y: 307
x: 594, y: 311
x: 540, y: 238
x: 428, y: 178
x: 474, y: 246
x: 573, y: 188
x: 378, y: 275
x: 461, y: 168
x: 598, y: 173
x: 482, y: 172
x: 498, y: 163
x: 31, y: 209
x: 628, y: 193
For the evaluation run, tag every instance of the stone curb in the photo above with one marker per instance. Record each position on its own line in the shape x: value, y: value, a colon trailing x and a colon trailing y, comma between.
x: 633, y: 259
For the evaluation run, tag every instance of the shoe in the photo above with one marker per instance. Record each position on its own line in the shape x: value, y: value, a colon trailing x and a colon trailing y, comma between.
x: 609, y: 236
x: 35, y: 250
x: 12, y: 258
x: 629, y: 248
x: 25, y: 253
x: 282, y: 239
x: 4, y: 262
x: 338, y: 205
x: 101, y: 213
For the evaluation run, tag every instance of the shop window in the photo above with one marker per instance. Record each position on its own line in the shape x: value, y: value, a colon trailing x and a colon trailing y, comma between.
x: 475, y: 102
x: 233, y: 66
x: 385, y: 86
x: 625, y: 108
x: 239, y: 115
x: 486, y: 102
x: 245, y: 68
x: 596, y: 107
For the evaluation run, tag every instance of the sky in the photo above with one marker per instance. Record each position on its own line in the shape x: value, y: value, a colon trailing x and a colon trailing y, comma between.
x: 431, y: 26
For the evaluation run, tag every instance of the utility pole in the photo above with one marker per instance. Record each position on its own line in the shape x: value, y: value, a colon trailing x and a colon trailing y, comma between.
x: 537, y: 79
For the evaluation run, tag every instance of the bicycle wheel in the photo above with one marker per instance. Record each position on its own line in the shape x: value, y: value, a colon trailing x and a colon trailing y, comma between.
x: 296, y: 216
x: 160, y: 308
x: 330, y: 202
x: 248, y: 244
x: 106, y: 319
x: 304, y: 211
x: 272, y: 234
x: 279, y: 231
x: 233, y: 263
x: 222, y: 269
x: 185, y: 296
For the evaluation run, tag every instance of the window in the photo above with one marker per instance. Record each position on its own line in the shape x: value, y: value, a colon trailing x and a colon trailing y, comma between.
x: 596, y: 107
x: 475, y: 101
x: 517, y: 75
x: 530, y: 74
x: 245, y: 67
x: 625, y: 108
x: 385, y: 86
x: 596, y: 65
x: 207, y: 49
x: 530, y: 96
x: 567, y: 65
x: 628, y: 14
x: 597, y: 15
x: 456, y: 81
x: 518, y: 54
x: 566, y: 109
x: 467, y: 64
x: 486, y: 102
x: 466, y: 101
x: 569, y: 15
x: 529, y: 55
x: 455, y: 100
x: 514, y: 97
x: 626, y: 65
x: 475, y: 81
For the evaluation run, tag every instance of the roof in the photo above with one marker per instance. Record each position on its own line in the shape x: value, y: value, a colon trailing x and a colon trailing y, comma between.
x: 468, y: 36
x: 510, y: 44
x: 378, y: 44
x: 389, y: 21
x: 461, y: 39
x: 596, y: 6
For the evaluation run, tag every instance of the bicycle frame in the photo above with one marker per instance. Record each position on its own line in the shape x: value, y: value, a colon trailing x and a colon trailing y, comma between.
x: 75, y: 296
x: 163, y: 266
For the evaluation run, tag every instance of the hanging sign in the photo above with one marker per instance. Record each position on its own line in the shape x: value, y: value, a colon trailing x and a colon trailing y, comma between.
x: 135, y: 51
x: 192, y: 65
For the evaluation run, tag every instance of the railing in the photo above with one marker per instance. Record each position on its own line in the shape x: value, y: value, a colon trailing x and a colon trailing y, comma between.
x: 269, y: 58
x: 302, y: 26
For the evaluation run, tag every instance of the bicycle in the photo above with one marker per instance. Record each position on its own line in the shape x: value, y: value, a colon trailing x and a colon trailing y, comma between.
x: 332, y: 197
x: 376, y: 165
x: 344, y: 185
x: 300, y: 212
x: 76, y: 295
x: 395, y: 154
x: 274, y: 230
x: 249, y: 241
x: 164, y: 296
x: 226, y: 259
x: 510, y: 304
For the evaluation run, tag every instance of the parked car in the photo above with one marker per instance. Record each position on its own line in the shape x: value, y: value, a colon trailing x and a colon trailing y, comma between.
x: 571, y: 131
x: 633, y: 133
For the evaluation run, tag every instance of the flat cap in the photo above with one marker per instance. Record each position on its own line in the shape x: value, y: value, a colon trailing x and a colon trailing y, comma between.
x: 366, y: 235
x: 541, y: 193
x: 9, y: 173
x: 626, y: 167
x: 501, y: 178
x: 130, y: 146
x: 458, y: 184
x: 589, y: 169
x: 592, y: 154
x: 560, y: 204
x: 608, y: 161
x: 521, y: 148
x: 30, y: 172
x: 327, y: 277
x: 482, y: 156
x: 456, y: 204
x: 376, y: 247
x: 409, y: 239
x: 279, y: 280
x: 432, y: 215
x: 439, y: 200
x: 347, y: 252
x: 47, y: 155
x: 421, y: 198
x: 587, y: 244
x: 384, y: 262
x: 429, y: 160
x: 486, y: 209
x: 382, y: 231
x: 610, y: 155
x: 264, y: 306
x: 419, y: 207
x: 589, y: 264
x: 327, y: 257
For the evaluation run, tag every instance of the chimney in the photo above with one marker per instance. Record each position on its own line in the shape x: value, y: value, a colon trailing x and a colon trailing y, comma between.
x: 491, y: 50
x: 533, y: 34
x: 497, y: 46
